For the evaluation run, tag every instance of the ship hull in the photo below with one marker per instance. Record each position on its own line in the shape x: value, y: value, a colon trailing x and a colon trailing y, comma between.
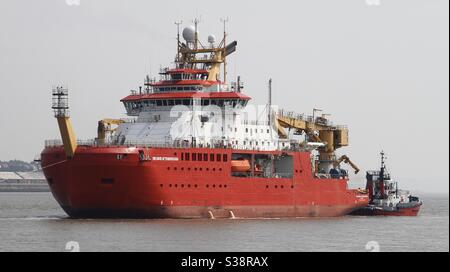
x: 122, y: 182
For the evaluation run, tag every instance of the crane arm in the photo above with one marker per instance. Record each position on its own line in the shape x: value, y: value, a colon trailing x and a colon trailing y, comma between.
x: 347, y: 160
x: 104, y: 126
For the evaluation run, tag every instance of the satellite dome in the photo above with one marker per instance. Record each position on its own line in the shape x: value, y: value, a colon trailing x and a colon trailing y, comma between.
x: 211, y: 39
x: 189, y: 34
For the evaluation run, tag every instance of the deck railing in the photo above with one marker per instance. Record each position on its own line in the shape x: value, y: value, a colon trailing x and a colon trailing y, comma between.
x: 178, y: 145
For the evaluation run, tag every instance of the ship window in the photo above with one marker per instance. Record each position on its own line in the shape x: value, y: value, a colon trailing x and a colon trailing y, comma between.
x: 205, y: 157
x: 187, y: 88
x: 187, y: 157
x: 179, y: 88
x: 171, y: 103
x: 182, y: 156
x: 159, y: 103
x: 178, y: 102
x: 211, y: 157
x: 107, y: 181
x: 219, y: 157
x: 225, y: 157
x: 199, y: 157
x: 164, y: 102
x: 246, y: 130
x: 186, y: 102
x: 194, y: 157
x: 176, y: 77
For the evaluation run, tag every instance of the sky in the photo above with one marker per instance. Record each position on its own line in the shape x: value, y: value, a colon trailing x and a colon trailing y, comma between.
x: 379, y: 66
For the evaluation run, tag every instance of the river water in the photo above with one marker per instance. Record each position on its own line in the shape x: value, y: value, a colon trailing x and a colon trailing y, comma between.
x: 35, y: 222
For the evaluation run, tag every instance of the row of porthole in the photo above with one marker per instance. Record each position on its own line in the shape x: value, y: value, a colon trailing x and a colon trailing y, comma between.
x: 194, y: 186
x: 195, y: 169
x: 279, y: 187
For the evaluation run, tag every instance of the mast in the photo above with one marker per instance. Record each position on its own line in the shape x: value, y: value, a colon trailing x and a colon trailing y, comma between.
x: 382, y: 170
x: 178, y: 23
x: 269, y: 108
x: 225, y: 21
x: 60, y: 108
x: 196, y: 21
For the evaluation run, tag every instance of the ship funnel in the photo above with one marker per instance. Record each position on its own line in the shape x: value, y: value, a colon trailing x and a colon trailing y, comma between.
x: 60, y: 108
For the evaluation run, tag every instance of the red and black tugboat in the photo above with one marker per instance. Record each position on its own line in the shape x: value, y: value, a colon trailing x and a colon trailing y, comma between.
x: 386, y: 199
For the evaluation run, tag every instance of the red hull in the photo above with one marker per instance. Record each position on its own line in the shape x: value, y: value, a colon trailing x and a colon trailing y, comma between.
x: 413, y: 211
x: 98, y: 183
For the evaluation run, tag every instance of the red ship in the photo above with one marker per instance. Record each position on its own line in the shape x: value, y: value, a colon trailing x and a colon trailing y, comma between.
x: 386, y: 199
x: 190, y: 152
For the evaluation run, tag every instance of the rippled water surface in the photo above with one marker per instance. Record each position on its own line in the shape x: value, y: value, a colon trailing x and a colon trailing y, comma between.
x: 35, y: 222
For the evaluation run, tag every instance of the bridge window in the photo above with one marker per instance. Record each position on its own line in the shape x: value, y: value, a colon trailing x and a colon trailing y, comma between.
x: 176, y: 77
x: 219, y: 157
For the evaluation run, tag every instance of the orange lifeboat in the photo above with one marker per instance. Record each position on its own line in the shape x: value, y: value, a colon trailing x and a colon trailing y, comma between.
x: 240, y: 166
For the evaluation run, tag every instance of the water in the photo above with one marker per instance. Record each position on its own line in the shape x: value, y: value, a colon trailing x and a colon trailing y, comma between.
x: 34, y: 222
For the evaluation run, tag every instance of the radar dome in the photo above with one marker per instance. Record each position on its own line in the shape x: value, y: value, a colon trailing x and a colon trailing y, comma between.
x: 189, y: 34
x: 211, y: 39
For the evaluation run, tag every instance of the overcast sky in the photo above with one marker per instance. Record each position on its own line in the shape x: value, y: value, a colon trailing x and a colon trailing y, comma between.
x: 380, y: 69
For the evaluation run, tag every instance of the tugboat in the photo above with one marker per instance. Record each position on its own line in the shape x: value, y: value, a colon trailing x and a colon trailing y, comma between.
x: 385, y: 197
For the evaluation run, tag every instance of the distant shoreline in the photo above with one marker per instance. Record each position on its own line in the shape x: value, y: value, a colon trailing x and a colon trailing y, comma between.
x: 24, y: 187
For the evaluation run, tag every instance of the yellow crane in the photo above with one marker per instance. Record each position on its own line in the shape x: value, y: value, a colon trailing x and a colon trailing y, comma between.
x: 320, y: 130
x: 106, y: 126
x: 347, y: 160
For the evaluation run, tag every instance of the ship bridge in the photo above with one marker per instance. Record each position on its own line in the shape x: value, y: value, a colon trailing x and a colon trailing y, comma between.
x: 194, y: 81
